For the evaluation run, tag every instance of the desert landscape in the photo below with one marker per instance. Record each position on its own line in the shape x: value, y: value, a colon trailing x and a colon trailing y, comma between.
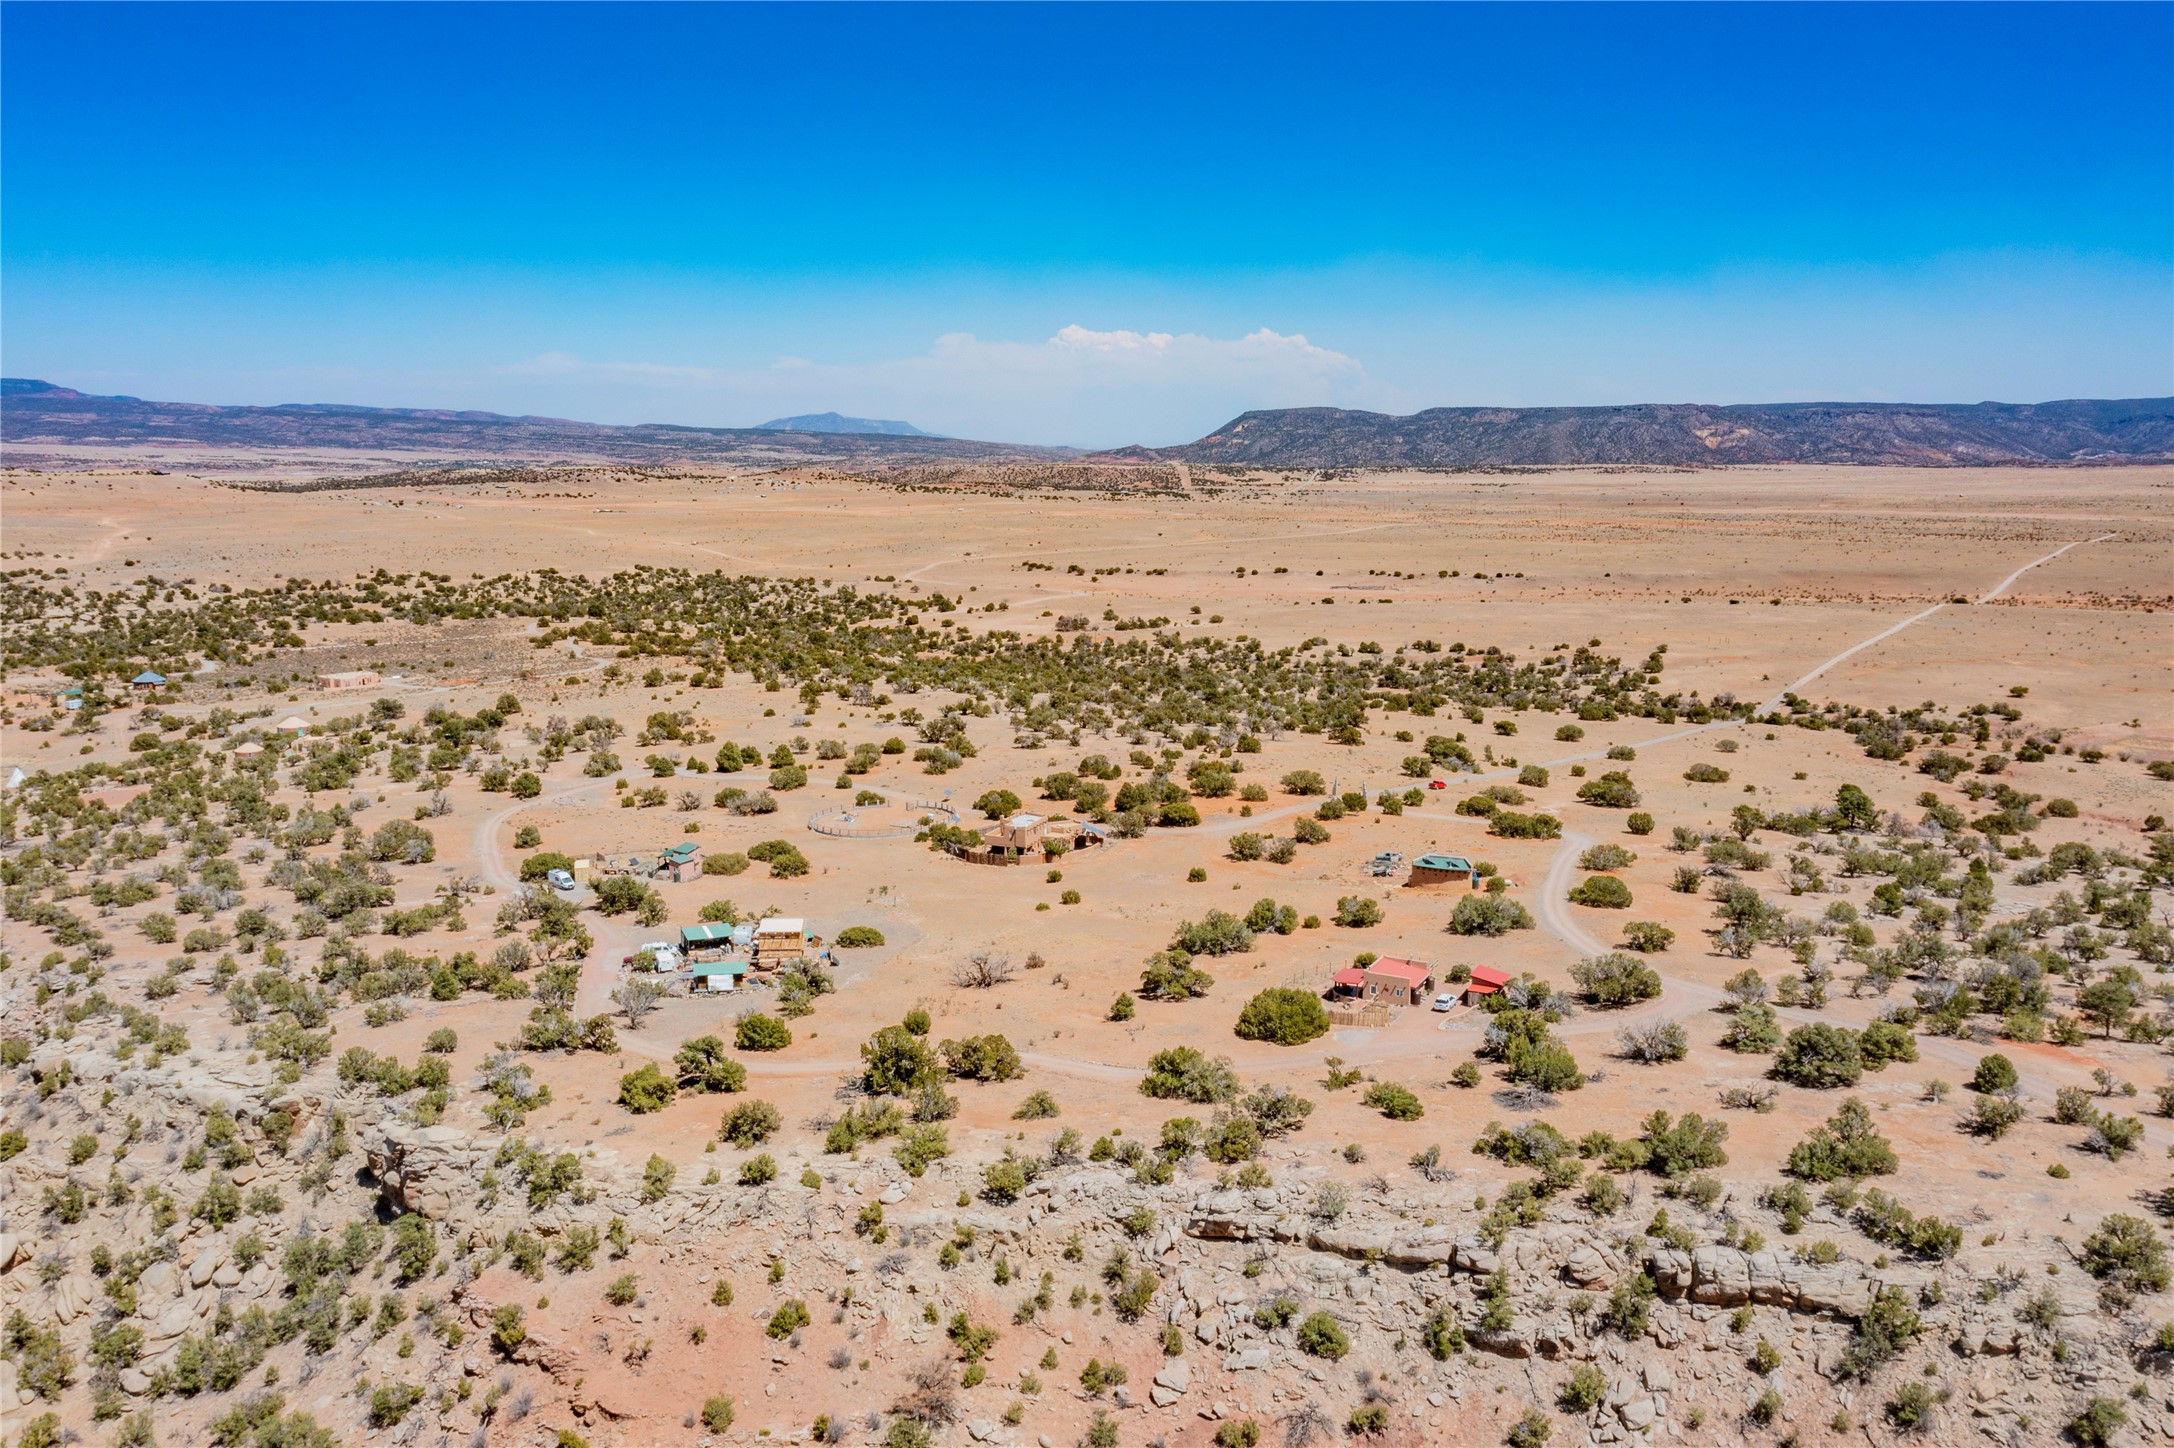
x: 1601, y: 954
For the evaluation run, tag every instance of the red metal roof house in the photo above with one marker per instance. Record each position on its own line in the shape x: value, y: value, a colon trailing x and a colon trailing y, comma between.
x: 1485, y: 981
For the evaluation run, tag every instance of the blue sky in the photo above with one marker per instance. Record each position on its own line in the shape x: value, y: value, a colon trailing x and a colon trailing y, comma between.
x: 1090, y: 225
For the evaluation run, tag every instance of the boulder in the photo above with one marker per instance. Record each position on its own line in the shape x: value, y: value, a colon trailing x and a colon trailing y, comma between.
x: 159, y: 1281
x: 1727, y: 1277
x: 1588, y: 1267
x: 1427, y: 1247
x: 1474, y: 1256
x: 73, y: 1296
x: 421, y: 1169
x: 1349, y: 1241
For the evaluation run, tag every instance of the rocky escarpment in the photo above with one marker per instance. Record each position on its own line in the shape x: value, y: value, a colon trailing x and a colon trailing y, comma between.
x: 1206, y: 1286
x: 1694, y: 435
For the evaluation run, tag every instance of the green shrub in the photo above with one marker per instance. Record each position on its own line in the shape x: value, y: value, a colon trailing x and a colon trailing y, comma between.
x: 1184, y: 1074
x: 1615, y: 979
x: 858, y: 937
x: 2101, y: 1420
x: 1612, y: 790
x: 1368, y: 1420
x: 1394, y: 1101
x: 750, y: 1123
x: 646, y: 1089
x: 1995, y: 1074
x: 758, y: 1032
x: 1488, y: 915
x: 703, y: 1066
x: 1846, y: 1145
x: 1587, y: 1386
x: 1285, y: 1015
x: 1321, y: 1336
x: 1602, y: 892
x: 1819, y: 1056
x: 791, y: 1316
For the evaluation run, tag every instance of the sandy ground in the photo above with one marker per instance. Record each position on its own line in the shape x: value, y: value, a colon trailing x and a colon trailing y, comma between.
x: 1753, y: 579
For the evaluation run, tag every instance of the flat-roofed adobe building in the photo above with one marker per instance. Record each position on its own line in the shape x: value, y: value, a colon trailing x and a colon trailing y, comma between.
x: 1437, y: 869
x: 1389, y: 981
x: 349, y: 679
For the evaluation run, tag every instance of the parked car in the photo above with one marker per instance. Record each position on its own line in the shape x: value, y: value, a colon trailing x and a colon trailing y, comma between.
x: 560, y: 879
x: 663, y: 955
x: 1437, y: 784
x: 1445, y: 1001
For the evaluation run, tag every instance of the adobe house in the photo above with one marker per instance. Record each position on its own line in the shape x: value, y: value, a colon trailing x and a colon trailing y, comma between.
x: 1008, y: 843
x: 1388, y: 982
x: 148, y: 682
x: 1020, y: 835
x: 348, y: 679
x: 1434, y: 869
x: 1485, y: 981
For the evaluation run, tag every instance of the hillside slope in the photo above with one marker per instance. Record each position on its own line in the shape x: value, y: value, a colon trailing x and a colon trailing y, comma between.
x: 38, y: 412
x: 1661, y: 434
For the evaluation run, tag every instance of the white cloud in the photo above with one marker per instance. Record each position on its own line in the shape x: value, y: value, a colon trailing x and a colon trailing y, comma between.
x: 1097, y: 388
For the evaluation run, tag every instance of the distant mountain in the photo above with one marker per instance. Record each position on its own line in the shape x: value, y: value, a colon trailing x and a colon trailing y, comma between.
x: 2138, y: 430
x: 838, y: 422
x: 34, y: 412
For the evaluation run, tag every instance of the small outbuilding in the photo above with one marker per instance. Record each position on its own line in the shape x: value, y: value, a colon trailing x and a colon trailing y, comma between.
x: 778, y: 940
x: 1485, y: 981
x: 1436, y: 869
x: 716, y: 977
x: 678, y: 863
x: 714, y: 941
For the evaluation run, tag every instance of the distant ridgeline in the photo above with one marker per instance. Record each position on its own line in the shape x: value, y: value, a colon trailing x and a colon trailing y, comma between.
x: 1645, y: 435
x: 1687, y: 435
x: 835, y: 422
x: 34, y: 412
